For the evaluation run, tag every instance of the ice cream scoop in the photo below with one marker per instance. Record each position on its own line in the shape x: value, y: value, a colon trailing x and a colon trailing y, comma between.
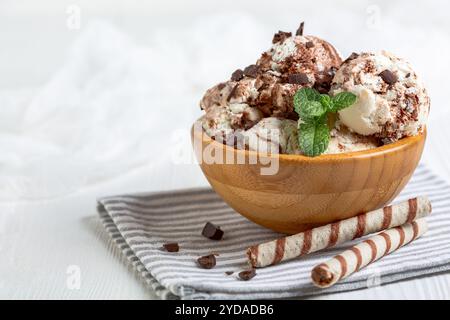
x: 342, y: 140
x: 293, y: 62
x: 392, y: 101
x: 303, y: 60
x: 273, y: 135
x: 222, y: 122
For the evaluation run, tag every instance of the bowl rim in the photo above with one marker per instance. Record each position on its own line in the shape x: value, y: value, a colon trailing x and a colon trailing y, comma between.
x: 378, y: 151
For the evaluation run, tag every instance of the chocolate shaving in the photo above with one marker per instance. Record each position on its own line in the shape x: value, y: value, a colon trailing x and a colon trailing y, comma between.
x: 220, y: 86
x: 229, y: 273
x: 212, y: 232
x: 237, y: 75
x: 280, y: 36
x: 353, y: 56
x: 171, y: 247
x: 298, y: 78
x: 232, y: 92
x: 408, y: 75
x: 247, y: 275
x: 252, y: 71
x: 309, y: 44
x: 207, y: 262
x: 389, y: 77
x: 300, y: 29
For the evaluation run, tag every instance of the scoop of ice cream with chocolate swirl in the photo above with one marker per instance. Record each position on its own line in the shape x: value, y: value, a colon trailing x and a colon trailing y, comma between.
x: 293, y: 62
x: 392, y: 101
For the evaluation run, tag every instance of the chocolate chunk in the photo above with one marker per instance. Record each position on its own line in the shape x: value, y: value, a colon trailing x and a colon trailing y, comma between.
x: 247, y: 275
x: 237, y: 75
x: 353, y: 56
x: 300, y: 29
x: 322, y: 87
x: 408, y: 75
x: 298, y: 78
x: 280, y: 36
x: 229, y: 273
x: 212, y: 232
x: 171, y: 247
x: 388, y: 76
x: 207, y: 262
x: 251, y: 71
x: 309, y: 44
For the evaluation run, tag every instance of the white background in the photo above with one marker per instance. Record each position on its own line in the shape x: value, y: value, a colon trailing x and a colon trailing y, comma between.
x: 79, y: 117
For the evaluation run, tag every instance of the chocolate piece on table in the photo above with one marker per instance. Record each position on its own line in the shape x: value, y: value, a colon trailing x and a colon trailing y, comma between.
x: 388, y: 76
x: 252, y: 71
x: 207, y: 262
x: 300, y: 29
x: 171, y: 247
x: 212, y: 232
x: 298, y: 78
x: 247, y: 274
x: 237, y: 75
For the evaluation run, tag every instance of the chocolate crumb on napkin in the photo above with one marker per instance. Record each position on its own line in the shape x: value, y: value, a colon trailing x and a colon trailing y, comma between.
x: 141, y: 224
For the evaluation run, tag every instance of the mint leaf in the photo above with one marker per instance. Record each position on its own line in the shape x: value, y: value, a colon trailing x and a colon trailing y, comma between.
x: 343, y: 100
x: 323, y: 119
x: 326, y: 101
x: 311, y: 110
x: 314, y: 138
x: 307, y: 104
x: 310, y: 94
x: 303, y: 96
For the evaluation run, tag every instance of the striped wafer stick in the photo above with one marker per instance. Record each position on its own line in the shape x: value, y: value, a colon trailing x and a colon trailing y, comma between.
x: 341, y: 266
x: 316, y: 239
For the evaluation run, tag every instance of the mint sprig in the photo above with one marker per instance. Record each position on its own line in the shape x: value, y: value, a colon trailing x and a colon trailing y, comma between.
x: 313, y: 109
x: 314, y: 138
x: 342, y: 100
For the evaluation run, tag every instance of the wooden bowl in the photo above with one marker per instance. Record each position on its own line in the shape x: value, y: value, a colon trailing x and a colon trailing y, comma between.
x: 308, y: 192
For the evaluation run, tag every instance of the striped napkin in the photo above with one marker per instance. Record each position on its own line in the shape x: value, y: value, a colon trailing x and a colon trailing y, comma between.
x: 141, y: 223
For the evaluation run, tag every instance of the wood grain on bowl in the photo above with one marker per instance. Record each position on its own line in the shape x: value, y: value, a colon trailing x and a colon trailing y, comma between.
x: 308, y: 192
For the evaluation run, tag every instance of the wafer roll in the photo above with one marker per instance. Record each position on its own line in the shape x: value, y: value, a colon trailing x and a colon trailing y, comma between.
x: 341, y: 266
x: 290, y: 247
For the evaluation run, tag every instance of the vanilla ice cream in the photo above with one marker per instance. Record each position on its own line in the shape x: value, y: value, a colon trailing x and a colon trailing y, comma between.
x: 343, y: 140
x: 392, y: 101
x: 273, y: 135
x: 219, y: 122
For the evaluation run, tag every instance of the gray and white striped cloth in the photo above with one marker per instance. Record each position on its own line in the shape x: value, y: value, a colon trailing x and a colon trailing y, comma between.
x: 141, y: 223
